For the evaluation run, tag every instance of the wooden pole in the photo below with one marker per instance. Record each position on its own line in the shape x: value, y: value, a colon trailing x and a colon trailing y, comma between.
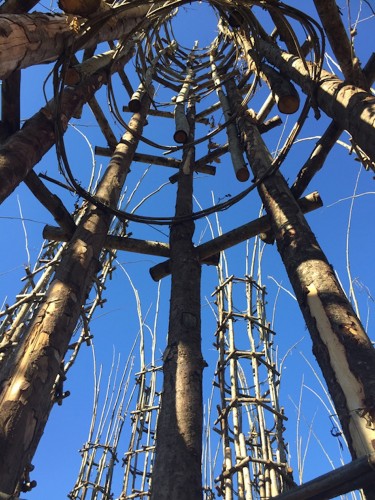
x: 28, y: 388
x: 182, y: 131
x: 342, y: 47
x: 38, y: 38
x: 239, y: 165
x: 324, y: 145
x: 177, y: 472
x: 25, y: 148
x: 283, y: 91
x: 136, y: 98
x: 342, y: 348
x: 345, y: 479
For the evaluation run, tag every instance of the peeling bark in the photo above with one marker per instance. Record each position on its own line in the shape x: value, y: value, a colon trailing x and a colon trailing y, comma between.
x: 27, y: 387
x: 342, y: 348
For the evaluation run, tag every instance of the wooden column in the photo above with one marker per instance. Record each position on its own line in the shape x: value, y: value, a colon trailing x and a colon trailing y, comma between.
x: 28, y: 381
x: 177, y: 472
x: 341, y: 346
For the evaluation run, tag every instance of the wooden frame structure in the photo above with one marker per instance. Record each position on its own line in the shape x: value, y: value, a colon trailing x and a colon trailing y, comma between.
x: 37, y: 329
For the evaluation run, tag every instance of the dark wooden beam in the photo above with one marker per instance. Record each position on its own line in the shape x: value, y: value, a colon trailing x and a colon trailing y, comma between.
x: 17, y: 6
x: 51, y: 202
x: 166, y: 114
x: 349, y: 477
x: 114, y: 242
x: 160, y: 160
x: 324, y: 145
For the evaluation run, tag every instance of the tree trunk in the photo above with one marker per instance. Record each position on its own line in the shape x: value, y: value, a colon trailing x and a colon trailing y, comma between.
x: 177, y: 472
x: 342, y: 47
x: 343, y: 350
x: 28, y: 380
x: 29, y: 39
x: 352, y: 108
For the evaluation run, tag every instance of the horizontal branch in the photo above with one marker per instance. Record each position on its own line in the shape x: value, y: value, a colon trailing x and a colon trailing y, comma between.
x: 112, y: 242
x: 167, y: 114
x: 227, y: 240
x: 349, y: 477
x: 160, y: 160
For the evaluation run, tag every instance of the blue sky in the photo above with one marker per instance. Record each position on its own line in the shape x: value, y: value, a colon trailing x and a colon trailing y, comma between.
x: 116, y: 325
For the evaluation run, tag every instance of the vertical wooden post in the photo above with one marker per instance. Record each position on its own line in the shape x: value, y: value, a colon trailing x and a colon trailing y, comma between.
x: 177, y: 472
x: 236, y: 153
x: 28, y: 386
x: 341, y: 346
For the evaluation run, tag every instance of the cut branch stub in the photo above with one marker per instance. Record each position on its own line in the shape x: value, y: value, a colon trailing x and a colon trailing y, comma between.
x: 235, y: 150
x: 135, y: 101
x: 136, y: 98
x: 182, y: 126
x: 283, y: 91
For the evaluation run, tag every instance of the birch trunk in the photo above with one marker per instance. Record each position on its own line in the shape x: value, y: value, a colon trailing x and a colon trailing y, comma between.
x: 341, y: 346
x: 27, y: 392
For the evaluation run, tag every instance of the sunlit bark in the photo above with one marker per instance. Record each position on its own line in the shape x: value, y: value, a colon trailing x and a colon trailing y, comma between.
x: 24, y: 149
x: 351, y: 107
x: 38, y: 38
x: 28, y: 387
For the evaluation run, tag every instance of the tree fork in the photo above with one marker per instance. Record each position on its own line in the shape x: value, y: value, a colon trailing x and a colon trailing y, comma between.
x: 27, y: 383
x: 177, y: 471
x: 341, y: 346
